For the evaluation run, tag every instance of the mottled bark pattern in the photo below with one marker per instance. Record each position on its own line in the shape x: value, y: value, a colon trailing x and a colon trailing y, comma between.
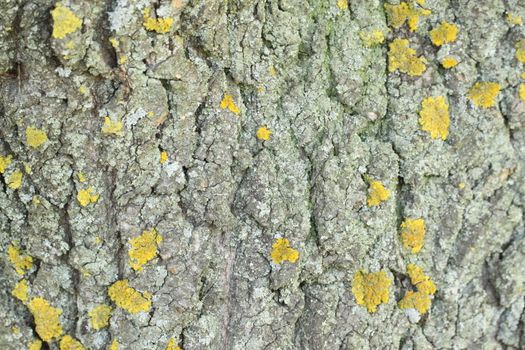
x: 338, y: 118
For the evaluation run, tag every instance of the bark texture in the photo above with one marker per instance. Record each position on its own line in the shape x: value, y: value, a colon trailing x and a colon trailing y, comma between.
x: 339, y: 119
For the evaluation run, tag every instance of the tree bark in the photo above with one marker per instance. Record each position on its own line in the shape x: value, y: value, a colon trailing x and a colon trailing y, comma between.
x: 129, y: 116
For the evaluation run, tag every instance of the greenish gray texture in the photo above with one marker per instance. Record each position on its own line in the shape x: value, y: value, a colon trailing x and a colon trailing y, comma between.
x: 338, y: 118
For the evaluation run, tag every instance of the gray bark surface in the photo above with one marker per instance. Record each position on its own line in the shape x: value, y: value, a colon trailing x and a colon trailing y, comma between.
x: 338, y: 118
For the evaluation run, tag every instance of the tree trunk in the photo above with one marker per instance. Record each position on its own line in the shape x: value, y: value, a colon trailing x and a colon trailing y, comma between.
x: 262, y: 174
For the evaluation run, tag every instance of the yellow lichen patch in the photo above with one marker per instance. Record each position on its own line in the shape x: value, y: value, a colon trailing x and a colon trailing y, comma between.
x: 416, y: 300
x: 420, y: 300
x: 514, y: 19
x: 35, y: 200
x: 372, y: 37
x: 342, y: 4
x: 64, y: 21
x: 46, y: 319
x: 449, y: 62
x: 172, y: 345
x: 87, y: 196
x: 143, y: 248
x: 263, y: 133
x: 111, y: 127
x: 114, y: 345
x: 21, y: 262
x: 27, y: 168
x: 20, y: 290
x: 99, y: 316
x: 416, y: 274
x: 272, y: 71
x: 83, y: 89
x: 5, y: 162
x: 159, y: 25
x: 114, y: 42
x: 413, y: 234
x: 227, y: 102
x: 483, y: 94
x: 371, y: 289
x: 84, y: 272
x: 163, y: 157
x: 377, y: 193
x: 281, y: 251
x: 128, y: 298
x: 434, y: 117
x: 520, y: 50
x: 427, y: 286
x: 69, y: 343
x: 399, y: 14
x: 444, y: 33
x: 422, y: 282
x: 81, y: 177
x: 35, y: 137
x: 522, y: 91
x: 403, y: 58
x: 35, y: 345
x: 15, y: 180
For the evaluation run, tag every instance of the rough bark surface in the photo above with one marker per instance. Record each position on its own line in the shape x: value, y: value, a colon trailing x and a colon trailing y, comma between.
x: 338, y: 119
